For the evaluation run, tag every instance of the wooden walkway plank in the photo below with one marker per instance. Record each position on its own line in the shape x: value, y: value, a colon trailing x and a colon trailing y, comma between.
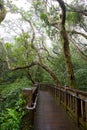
x: 50, y: 116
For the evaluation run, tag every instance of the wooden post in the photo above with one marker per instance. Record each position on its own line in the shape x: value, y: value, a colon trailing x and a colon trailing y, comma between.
x: 66, y: 99
x: 60, y: 95
x: 84, y: 111
x: 27, y: 94
x: 27, y: 119
x: 55, y: 92
x: 78, y: 109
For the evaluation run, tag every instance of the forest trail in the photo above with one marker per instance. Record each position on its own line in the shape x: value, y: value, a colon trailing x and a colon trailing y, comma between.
x: 51, y: 116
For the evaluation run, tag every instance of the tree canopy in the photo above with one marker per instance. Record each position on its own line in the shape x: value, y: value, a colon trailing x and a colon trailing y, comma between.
x: 44, y: 40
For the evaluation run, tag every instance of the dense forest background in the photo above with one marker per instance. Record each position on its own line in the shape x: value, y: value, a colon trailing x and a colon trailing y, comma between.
x: 40, y: 41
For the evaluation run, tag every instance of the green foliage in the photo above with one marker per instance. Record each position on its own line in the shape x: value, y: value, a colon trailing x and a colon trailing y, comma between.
x: 12, y: 104
x: 10, y: 92
x: 80, y: 70
x: 20, y: 52
x: 12, y: 118
x: 38, y: 7
x: 42, y: 76
x: 8, y: 46
x: 74, y: 18
x: 81, y: 77
x: 20, y: 105
x: 43, y: 17
x: 60, y: 69
x: 8, y: 89
x: 9, y: 76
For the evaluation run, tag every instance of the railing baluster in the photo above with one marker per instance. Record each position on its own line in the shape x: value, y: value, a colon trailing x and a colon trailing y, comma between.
x: 83, y: 110
x: 66, y: 100
x: 78, y: 110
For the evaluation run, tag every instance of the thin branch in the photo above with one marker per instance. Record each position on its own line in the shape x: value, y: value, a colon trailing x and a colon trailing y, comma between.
x: 83, y: 12
x: 75, y: 32
x: 50, y: 20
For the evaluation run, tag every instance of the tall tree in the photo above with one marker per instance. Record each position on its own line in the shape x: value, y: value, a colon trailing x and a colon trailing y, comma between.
x: 66, y: 48
x: 60, y: 24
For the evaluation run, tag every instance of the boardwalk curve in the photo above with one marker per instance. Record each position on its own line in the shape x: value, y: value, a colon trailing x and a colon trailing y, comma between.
x: 51, y: 116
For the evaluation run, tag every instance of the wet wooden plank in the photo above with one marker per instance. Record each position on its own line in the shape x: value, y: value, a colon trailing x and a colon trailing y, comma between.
x: 51, y: 116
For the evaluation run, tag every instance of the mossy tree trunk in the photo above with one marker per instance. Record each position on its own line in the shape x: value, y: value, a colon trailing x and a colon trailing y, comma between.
x: 66, y: 49
x: 67, y: 55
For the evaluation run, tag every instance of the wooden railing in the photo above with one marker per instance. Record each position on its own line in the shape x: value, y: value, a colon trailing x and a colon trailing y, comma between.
x: 74, y: 102
x: 30, y: 95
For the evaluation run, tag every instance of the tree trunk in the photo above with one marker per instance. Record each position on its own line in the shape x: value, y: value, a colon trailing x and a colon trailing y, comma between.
x: 66, y: 51
x: 53, y: 75
x: 29, y: 76
x: 2, y: 12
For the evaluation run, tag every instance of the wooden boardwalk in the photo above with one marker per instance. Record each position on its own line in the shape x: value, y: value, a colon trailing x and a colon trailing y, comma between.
x: 51, y: 116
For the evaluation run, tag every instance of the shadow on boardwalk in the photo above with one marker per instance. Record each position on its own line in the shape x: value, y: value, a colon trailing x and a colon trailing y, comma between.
x: 50, y: 116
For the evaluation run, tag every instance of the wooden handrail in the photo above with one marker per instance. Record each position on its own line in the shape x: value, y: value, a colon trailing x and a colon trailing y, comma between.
x: 33, y: 107
x: 31, y: 96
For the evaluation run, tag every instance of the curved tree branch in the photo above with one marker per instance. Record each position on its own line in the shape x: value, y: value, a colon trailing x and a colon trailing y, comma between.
x: 45, y: 67
x: 75, y: 32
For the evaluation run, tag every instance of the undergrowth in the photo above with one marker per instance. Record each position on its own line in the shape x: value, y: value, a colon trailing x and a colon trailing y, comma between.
x: 11, y: 105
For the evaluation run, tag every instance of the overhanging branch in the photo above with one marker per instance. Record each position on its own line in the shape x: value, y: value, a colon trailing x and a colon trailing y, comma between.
x: 45, y: 67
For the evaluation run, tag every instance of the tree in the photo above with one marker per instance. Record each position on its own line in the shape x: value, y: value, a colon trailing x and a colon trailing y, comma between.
x: 2, y: 11
x: 66, y: 49
x: 65, y: 42
x: 47, y: 19
x: 27, y: 51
